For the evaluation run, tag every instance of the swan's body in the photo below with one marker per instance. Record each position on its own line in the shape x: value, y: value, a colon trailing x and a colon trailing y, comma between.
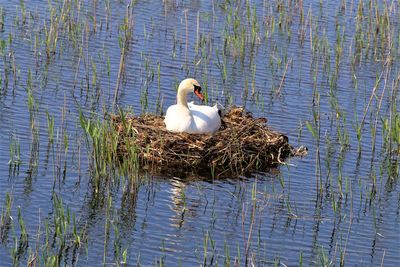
x: 191, y: 118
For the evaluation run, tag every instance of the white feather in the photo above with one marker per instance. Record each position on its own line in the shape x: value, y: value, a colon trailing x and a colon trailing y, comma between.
x: 191, y: 118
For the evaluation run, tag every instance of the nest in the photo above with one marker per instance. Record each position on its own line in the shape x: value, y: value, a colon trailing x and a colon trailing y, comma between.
x: 242, y: 145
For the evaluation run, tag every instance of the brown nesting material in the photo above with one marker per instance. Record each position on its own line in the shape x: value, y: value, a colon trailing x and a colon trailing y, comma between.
x: 243, y: 144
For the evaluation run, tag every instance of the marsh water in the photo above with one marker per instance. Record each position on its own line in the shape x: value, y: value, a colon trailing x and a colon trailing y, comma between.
x: 325, y: 73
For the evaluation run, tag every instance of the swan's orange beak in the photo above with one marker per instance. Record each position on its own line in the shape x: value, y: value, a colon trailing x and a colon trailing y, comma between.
x: 198, y: 93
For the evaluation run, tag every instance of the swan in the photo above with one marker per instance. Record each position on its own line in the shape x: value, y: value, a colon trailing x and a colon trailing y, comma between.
x: 191, y: 118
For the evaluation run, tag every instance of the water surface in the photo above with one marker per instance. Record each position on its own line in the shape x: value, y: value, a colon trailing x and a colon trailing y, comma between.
x: 292, y: 70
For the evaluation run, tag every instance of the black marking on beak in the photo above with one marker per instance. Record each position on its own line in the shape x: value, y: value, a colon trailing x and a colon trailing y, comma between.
x: 197, y: 88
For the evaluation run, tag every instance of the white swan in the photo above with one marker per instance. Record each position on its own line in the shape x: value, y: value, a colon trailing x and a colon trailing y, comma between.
x: 191, y: 118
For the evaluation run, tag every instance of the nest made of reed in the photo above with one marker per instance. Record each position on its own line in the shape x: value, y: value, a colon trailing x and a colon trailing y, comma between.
x: 243, y: 144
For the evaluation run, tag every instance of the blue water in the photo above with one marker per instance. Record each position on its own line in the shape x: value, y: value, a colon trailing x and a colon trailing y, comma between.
x: 169, y: 219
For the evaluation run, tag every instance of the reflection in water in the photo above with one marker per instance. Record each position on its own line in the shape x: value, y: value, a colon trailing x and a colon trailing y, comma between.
x: 178, y: 202
x: 128, y: 205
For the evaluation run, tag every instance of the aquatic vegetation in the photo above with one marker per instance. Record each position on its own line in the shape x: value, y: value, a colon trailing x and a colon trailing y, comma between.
x: 324, y: 73
x: 102, y: 141
x: 5, y: 219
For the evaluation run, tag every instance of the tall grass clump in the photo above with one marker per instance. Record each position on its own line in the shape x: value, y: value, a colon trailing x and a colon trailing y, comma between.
x: 242, y: 29
x: 391, y: 136
x: 61, y: 240
x: 102, y: 140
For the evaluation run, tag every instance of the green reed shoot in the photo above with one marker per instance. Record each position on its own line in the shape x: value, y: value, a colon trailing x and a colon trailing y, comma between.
x: 15, y: 153
x: 208, y: 241
x: 3, y: 54
x: 24, y: 234
x: 227, y: 259
x: 324, y: 258
x: 50, y: 127
x: 51, y: 33
x: 5, y: 218
x: 23, y: 11
x: 21, y: 244
x: 94, y: 74
x: 301, y: 259
x: 2, y: 19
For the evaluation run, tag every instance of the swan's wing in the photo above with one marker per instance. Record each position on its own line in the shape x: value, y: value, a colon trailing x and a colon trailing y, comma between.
x: 206, y: 118
x: 178, y: 119
x: 193, y: 106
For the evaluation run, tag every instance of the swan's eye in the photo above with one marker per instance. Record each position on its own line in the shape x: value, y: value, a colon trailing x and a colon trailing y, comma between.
x: 197, y: 88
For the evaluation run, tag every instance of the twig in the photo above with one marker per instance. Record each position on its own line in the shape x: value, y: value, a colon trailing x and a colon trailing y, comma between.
x: 283, y: 77
x: 121, y: 67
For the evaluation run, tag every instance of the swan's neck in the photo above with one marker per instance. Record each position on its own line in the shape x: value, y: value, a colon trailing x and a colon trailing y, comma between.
x: 182, y: 97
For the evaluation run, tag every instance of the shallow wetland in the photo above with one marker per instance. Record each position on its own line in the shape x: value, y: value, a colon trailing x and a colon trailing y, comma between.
x: 324, y: 73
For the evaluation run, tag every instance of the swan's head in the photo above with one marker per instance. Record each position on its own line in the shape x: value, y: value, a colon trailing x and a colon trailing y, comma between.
x: 190, y: 85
